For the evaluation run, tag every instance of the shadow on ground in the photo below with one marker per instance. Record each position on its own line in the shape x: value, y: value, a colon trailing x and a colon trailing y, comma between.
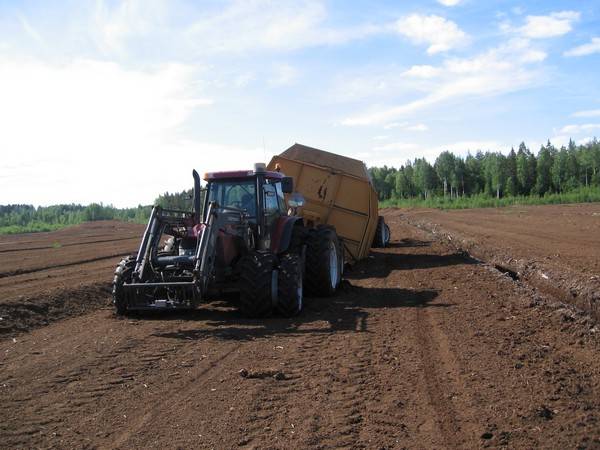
x: 381, y: 263
x: 347, y: 311
x: 409, y: 243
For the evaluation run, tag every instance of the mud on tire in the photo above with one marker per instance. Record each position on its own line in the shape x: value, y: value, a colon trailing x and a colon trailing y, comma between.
x: 323, y: 271
x: 256, y: 284
x: 122, y: 274
x: 290, y: 292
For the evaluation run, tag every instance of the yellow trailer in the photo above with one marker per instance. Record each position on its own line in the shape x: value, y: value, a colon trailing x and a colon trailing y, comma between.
x: 338, y: 191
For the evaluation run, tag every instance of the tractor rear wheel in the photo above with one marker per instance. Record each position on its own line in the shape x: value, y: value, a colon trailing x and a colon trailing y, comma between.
x: 122, y: 274
x: 323, y: 269
x: 290, y: 292
x: 257, y: 284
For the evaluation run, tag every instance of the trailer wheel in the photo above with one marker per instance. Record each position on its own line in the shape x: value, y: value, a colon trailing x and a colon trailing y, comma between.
x: 382, y: 234
x: 257, y: 284
x: 122, y: 274
x: 290, y: 292
x: 323, y: 271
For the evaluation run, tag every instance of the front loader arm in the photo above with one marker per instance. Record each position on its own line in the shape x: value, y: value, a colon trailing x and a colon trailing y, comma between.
x: 206, y: 251
x: 146, y: 246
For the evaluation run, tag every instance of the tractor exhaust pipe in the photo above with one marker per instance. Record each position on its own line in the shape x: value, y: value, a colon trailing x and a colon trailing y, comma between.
x: 197, y: 197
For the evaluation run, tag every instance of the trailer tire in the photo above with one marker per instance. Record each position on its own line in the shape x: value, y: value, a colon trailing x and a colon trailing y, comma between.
x: 323, y: 271
x: 256, y: 284
x: 290, y: 291
x: 123, y: 274
x: 382, y: 234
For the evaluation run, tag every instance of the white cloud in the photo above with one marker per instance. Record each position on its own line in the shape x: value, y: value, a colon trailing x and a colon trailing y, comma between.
x: 577, y: 129
x: 437, y: 32
x: 405, y: 126
x: 586, y: 49
x: 397, y: 153
x: 552, y: 25
x: 417, y: 127
x: 283, y: 75
x: 587, y: 113
x: 232, y: 27
x: 113, y: 27
x: 464, y: 147
x: 257, y: 25
x: 449, y: 2
x: 396, y: 146
x: 500, y: 70
x: 423, y: 71
x: 30, y: 30
x: 94, y: 131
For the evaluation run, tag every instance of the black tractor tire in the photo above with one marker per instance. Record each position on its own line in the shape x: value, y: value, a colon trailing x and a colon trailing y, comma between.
x: 256, y: 284
x: 382, y: 234
x: 323, y: 271
x: 298, y: 240
x: 123, y: 274
x: 290, y: 292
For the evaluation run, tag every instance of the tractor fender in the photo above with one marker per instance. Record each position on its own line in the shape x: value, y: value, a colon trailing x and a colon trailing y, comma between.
x: 282, y: 233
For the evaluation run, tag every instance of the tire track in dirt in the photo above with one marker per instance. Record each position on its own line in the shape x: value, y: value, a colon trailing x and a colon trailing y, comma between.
x: 73, y: 244
x: 446, y: 393
x: 161, y: 408
x: 346, y: 376
x: 80, y: 384
x: 59, y: 266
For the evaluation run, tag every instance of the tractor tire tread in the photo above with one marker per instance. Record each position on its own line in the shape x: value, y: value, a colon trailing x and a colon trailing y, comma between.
x: 317, y: 278
x: 256, y: 272
x: 289, y: 300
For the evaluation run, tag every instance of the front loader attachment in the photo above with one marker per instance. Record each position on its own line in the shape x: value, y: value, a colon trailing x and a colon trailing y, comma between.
x: 178, y: 275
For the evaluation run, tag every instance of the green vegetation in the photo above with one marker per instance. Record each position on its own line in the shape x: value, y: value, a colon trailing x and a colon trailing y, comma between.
x: 29, y: 219
x: 566, y: 175
x: 580, y: 195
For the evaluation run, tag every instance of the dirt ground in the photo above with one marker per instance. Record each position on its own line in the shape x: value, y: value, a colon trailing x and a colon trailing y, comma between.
x: 48, y: 276
x: 424, y: 348
x: 555, y: 248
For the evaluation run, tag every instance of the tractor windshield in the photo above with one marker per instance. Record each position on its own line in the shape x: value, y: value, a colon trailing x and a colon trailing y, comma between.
x: 239, y: 194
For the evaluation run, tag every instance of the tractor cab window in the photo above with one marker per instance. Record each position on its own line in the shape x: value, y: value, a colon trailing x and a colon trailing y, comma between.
x: 280, y: 198
x: 236, y: 194
x: 271, y: 202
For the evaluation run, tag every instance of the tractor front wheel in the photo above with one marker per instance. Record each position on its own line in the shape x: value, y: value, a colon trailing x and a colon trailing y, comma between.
x: 122, y: 274
x: 290, y: 292
x: 257, y: 284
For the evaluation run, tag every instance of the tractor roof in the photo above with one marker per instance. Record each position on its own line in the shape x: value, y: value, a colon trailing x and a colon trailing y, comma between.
x: 237, y: 174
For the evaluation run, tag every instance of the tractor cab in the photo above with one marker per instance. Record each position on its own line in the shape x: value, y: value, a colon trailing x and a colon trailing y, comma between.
x: 257, y: 196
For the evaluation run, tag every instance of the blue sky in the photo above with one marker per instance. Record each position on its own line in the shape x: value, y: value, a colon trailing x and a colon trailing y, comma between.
x: 116, y: 101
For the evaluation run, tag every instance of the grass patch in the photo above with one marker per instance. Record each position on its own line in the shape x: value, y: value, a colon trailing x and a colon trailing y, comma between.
x: 581, y: 195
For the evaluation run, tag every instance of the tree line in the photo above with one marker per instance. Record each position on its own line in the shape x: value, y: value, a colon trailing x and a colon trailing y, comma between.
x: 27, y: 218
x: 519, y: 173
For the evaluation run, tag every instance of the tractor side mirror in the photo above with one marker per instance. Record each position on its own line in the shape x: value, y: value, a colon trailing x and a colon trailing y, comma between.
x: 296, y: 200
x: 287, y: 185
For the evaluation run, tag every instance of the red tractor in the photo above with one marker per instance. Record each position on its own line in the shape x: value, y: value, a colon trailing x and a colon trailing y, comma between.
x: 240, y: 236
